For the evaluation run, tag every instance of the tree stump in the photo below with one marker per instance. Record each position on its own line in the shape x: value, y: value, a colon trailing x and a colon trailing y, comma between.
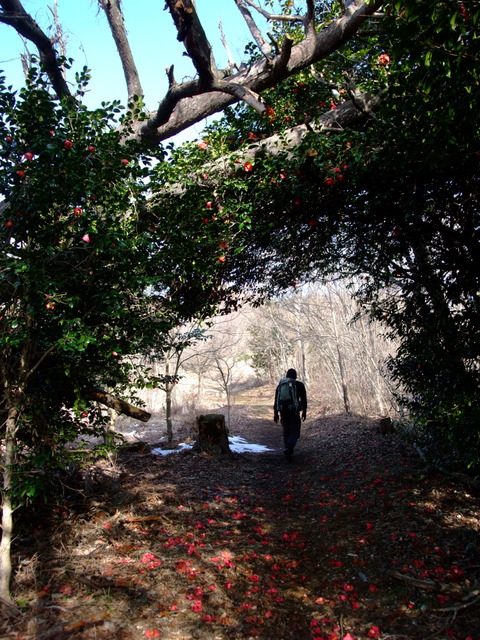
x: 212, y: 435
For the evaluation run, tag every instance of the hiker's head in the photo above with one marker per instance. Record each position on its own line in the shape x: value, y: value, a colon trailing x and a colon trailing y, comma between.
x: 291, y: 373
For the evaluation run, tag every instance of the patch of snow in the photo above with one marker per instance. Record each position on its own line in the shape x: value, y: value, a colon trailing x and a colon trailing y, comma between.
x: 237, y: 445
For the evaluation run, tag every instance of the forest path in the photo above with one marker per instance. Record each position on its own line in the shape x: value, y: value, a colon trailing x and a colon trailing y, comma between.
x: 351, y: 540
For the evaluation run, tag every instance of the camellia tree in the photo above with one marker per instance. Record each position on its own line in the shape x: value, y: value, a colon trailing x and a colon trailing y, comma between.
x: 82, y: 289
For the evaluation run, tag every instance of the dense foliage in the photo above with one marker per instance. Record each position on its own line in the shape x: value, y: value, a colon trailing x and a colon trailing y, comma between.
x: 394, y: 201
x: 87, y: 284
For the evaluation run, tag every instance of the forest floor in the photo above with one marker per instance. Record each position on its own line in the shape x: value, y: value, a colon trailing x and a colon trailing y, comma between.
x: 353, y: 540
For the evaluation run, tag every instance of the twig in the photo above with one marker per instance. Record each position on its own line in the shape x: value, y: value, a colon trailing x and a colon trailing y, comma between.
x: 460, y: 607
x: 427, y: 585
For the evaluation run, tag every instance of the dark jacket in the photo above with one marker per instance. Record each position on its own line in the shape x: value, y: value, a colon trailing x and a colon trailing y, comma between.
x: 301, y: 395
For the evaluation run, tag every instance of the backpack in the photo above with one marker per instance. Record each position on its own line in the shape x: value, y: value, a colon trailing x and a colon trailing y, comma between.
x: 287, y: 395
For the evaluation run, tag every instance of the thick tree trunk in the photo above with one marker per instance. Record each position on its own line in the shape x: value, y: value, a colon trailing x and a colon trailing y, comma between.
x: 212, y: 435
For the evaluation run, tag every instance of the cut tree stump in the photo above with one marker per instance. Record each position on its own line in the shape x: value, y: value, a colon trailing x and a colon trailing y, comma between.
x: 212, y: 435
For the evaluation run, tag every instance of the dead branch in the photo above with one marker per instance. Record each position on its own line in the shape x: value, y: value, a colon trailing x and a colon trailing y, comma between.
x: 117, y: 27
x: 191, y: 102
x: 260, y: 76
x: 264, y: 47
x: 282, y: 60
x: 473, y: 598
x: 242, y: 93
x: 426, y: 585
x: 273, y: 17
x: 309, y: 20
x: 15, y: 15
x: 192, y: 34
x: 119, y: 405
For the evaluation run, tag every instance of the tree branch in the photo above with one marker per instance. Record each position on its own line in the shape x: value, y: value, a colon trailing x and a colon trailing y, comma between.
x: 98, y: 395
x: 273, y: 17
x: 192, y: 34
x: 282, y: 60
x: 117, y: 27
x: 264, y: 47
x: 309, y: 21
x: 241, y: 93
x: 188, y: 104
x: 15, y: 15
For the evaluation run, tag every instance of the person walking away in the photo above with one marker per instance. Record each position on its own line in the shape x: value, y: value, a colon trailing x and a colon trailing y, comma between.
x: 290, y: 404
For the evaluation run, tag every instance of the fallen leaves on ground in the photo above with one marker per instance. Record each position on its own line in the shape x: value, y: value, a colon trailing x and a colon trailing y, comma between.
x: 353, y: 540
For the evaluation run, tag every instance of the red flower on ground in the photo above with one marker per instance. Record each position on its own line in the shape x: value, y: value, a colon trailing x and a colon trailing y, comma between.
x: 373, y: 632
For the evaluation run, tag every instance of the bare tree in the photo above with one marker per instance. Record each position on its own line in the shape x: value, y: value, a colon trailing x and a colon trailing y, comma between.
x: 332, y: 346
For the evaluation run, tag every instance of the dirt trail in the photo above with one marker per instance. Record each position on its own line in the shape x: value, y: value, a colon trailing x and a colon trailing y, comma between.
x: 350, y: 541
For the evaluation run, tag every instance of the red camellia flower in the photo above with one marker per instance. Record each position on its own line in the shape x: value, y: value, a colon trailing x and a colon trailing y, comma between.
x: 124, y: 162
x: 77, y: 211
x: 20, y: 173
x: 92, y: 149
x: 384, y: 59
x: 9, y: 224
x: 209, y: 204
x: 252, y: 136
x: 68, y: 144
x: 373, y: 632
x: 329, y: 181
x: 86, y: 238
x: 9, y: 139
x: 29, y: 156
x: 248, y: 166
x: 221, y: 258
x: 202, y: 145
x: 50, y: 306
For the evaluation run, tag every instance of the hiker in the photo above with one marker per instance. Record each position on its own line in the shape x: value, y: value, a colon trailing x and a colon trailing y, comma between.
x: 290, y: 403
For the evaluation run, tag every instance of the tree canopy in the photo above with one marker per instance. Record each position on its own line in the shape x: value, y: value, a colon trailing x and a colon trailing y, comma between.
x: 348, y: 146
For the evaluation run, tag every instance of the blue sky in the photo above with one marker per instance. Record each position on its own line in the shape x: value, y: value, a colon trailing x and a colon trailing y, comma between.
x: 152, y: 38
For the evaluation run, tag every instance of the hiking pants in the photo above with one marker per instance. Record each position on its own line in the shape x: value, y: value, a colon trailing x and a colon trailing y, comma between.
x: 291, y: 428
